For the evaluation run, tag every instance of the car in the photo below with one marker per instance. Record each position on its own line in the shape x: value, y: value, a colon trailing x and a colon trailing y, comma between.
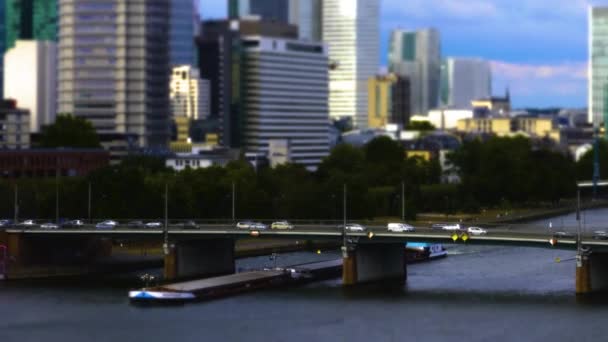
x: 353, y: 227
x: 258, y: 226
x: 563, y: 235
x: 451, y: 227
x: 153, y: 225
x: 49, y: 225
x: 5, y: 223
x: 27, y: 223
x: 135, y: 224
x: 73, y: 224
x: 108, y: 224
x: 400, y: 227
x: 244, y: 225
x: 476, y: 231
x: 281, y: 225
x: 188, y: 225
x: 600, y: 235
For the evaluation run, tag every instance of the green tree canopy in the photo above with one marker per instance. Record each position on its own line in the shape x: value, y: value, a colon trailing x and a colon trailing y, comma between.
x: 69, y: 131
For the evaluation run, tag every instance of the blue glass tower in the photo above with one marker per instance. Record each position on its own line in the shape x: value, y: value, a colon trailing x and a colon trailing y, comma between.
x: 183, y: 17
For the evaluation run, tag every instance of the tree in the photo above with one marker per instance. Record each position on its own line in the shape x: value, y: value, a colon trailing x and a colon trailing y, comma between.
x: 69, y: 131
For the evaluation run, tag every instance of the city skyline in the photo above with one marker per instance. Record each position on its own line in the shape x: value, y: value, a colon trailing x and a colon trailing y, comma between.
x: 542, y: 59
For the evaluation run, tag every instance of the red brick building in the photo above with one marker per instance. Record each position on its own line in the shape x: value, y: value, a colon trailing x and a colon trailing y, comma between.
x: 38, y: 163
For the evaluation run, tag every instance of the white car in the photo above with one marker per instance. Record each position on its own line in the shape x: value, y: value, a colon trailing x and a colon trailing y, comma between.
x: 477, y: 231
x: 244, y: 225
x: 400, y: 227
x: 27, y: 223
x: 49, y: 225
x: 153, y: 225
x: 451, y: 227
x: 354, y: 227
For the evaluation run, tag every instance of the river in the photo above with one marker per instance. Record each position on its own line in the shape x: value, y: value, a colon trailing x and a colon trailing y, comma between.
x: 477, y: 293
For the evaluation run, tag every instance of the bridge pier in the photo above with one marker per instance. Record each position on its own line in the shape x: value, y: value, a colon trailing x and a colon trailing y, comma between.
x: 199, y: 258
x: 374, y: 262
x: 591, y: 273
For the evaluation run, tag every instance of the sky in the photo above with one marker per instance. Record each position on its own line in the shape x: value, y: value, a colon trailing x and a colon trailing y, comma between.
x: 537, y: 48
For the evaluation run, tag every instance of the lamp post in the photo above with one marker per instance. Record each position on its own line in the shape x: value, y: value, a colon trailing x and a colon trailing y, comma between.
x: 344, y: 225
x: 166, y: 227
x: 89, y: 204
x: 402, y: 201
x: 233, y: 201
x: 16, y: 203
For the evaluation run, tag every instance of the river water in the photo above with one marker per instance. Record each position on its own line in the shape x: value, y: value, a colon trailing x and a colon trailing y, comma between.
x: 477, y: 293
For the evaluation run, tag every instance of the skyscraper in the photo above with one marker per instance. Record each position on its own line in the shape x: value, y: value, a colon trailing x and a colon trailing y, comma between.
x: 183, y: 29
x: 2, y: 45
x: 268, y: 10
x: 114, y: 66
x: 220, y: 51
x: 31, y: 79
x: 30, y: 19
x: 417, y: 56
x: 285, y: 98
x: 351, y: 29
x: 307, y: 15
x: 464, y: 80
x: 598, y: 66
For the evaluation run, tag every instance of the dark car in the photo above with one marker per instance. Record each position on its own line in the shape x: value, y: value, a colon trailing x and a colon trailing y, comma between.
x: 567, y: 235
x: 187, y: 225
x: 73, y: 224
x: 600, y: 235
x: 135, y: 224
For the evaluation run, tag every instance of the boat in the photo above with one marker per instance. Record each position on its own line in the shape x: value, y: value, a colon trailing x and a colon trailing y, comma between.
x: 144, y: 295
x: 416, y: 252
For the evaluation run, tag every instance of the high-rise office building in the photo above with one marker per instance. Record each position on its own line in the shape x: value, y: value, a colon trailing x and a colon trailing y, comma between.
x: 184, y: 18
x: 464, y: 80
x: 598, y: 66
x: 351, y: 28
x: 114, y: 66
x: 30, y: 19
x: 31, y: 79
x: 285, y: 99
x: 2, y: 45
x: 220, y: 51
x: 307, y: 15
x: 268, y: 10
x: 189, y: 93
x: 417, y: 56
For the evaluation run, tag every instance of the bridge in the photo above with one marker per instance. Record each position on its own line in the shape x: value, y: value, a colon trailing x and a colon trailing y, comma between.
x: 373, y: 255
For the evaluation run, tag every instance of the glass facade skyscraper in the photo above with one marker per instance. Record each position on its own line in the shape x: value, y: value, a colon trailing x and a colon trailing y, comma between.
x: 183, y: 19
x: 598, y: 66
x: 30, y: 19
x: 270, y: 10
x: 464, y: 80
x: 417, y: 56
x: 351, y: 28
x: 114, y: 66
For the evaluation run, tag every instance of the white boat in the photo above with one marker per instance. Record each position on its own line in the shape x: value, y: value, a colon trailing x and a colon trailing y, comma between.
x: 160, y: 296
x: 424, y: 251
